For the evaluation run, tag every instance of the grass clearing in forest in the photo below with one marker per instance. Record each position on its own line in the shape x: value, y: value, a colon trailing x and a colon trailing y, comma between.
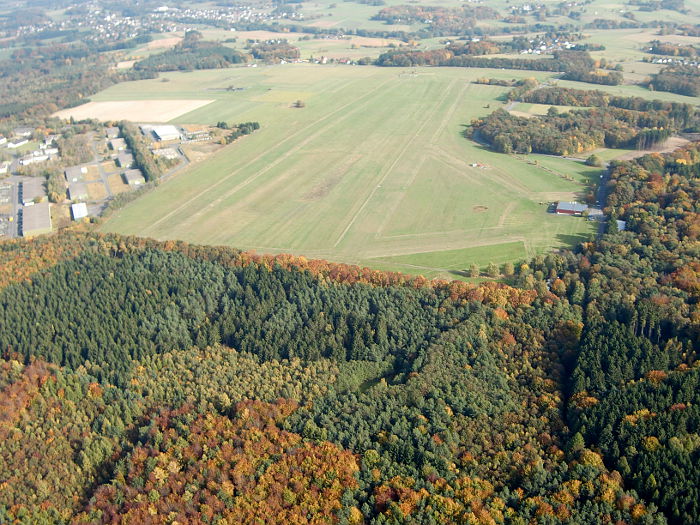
x: 373, y: 171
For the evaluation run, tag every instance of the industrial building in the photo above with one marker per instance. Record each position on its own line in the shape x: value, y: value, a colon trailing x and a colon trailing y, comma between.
x: 133, y: 177
x: 35, y: 220
x: 166, y: 132
x: 571, y: 208
x: 79, y: 211
x: 125, y: 160
x: 75, y: 173
x: 77, y: 191
x: 31, y: 190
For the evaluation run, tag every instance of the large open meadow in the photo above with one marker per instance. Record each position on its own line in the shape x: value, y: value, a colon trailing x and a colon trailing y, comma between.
x: 374, y: 170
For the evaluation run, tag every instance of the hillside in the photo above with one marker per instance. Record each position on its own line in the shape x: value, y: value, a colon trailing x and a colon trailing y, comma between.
x: 158, y: 382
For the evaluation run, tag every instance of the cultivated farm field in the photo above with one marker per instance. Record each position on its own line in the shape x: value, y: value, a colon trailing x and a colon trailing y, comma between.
x: 374, y: 170
x: 137, y: 110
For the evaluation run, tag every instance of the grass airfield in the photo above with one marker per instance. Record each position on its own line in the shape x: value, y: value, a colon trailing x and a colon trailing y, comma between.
x: 373, y: 171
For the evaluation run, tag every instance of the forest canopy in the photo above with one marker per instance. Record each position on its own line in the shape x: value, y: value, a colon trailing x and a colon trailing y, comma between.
x: 195, y: 383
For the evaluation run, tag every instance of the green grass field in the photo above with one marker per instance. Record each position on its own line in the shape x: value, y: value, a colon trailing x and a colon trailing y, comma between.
x: 374, y: 170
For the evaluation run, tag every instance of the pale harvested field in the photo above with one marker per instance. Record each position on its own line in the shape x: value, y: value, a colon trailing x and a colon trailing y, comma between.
x: 323, y: 23
x: 668, y: 146
x: 164, y: 43
x: 126, y: 64
x: 136, y: 110
x: 373, y: 42
x: 263, y: 35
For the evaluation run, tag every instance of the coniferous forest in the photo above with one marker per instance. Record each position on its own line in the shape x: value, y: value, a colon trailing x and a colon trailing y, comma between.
x: 162, y: 382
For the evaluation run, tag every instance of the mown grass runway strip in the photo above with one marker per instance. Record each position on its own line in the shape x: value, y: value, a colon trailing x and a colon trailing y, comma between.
x: 374, y: 169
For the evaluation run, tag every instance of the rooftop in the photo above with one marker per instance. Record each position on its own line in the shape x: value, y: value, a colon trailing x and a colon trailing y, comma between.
x: 32, y: 188
x: 125, y: 159
x: 79, y: 210
x: 575, y: 207
x: 75, y: 172
x: 134, y: 177
x: 77, y: 190
x: 36, y: 219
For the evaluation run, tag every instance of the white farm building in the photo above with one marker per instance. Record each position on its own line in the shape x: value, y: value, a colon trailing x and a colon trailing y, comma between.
x: 165, y: 133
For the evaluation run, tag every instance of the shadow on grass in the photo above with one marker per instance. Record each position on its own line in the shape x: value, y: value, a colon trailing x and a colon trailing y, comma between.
x: 572, y: 241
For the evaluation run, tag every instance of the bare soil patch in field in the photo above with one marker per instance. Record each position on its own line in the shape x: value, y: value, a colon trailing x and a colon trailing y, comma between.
x: 525, y: 114
x: 136, y: 110
x: 479, y: 209
x: 263, y: 35
x: 373, y: 42
x: 666, y: 147
x: 96, y: 191
x: 164, y: 43
x: 116, y: 184
x: 199, y: 151
x: 323, y: 23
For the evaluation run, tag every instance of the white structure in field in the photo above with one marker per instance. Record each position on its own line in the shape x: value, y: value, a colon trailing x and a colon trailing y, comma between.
x: 166, y: 132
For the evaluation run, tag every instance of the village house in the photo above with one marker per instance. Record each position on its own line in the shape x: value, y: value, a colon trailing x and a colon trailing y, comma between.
x: 17, y: 143
x: 33, y: 159
x: 23, y: 132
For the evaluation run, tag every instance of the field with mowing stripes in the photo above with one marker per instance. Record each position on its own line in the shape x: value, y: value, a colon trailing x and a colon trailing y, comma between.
x: 374, y: 170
